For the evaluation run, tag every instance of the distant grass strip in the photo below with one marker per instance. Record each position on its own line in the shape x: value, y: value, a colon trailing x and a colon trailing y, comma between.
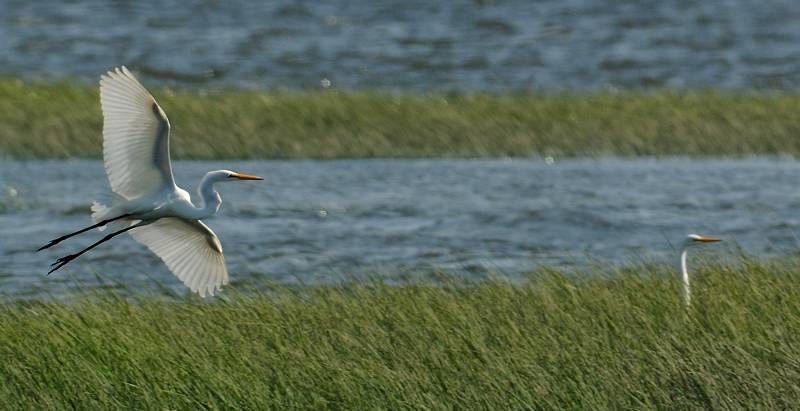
x: 622, y: 341
x: 63, y: 120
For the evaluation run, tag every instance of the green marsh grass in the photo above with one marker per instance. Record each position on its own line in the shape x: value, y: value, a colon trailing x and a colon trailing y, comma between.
x: 63, y: 120
x: 617, y: 340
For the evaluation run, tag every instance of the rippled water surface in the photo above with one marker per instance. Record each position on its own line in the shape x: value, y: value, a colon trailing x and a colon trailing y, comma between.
x: 319, y: 222
x: 409, y: 44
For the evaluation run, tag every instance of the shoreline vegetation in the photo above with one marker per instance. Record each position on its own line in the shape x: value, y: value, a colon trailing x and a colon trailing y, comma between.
x: 605, y: 340
x: 63, y: 120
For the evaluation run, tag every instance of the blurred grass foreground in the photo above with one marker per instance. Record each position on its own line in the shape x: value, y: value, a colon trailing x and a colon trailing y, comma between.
x: 63, y: 120
x: 616, y: 340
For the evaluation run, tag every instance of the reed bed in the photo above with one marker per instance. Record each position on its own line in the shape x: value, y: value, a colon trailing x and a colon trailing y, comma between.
x: 612, y: 339
x: 63, y: 120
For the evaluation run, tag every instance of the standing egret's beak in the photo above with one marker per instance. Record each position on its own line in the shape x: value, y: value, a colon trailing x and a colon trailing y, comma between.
x: 705, y: 239
x: 242, y: 176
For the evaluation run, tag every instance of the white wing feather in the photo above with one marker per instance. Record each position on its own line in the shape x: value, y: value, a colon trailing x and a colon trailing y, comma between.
x: 190, y: 249
x: 135, y: 136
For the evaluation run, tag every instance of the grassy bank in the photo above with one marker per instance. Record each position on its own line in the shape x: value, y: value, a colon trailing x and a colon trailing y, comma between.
x: 620, y: 341
x: 63, y: 120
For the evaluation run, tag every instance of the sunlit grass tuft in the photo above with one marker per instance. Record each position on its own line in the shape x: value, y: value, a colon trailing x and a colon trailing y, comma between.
x: 63, y: 120
x: 616, y: 340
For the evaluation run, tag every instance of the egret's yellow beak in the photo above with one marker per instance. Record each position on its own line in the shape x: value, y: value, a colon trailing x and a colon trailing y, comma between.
x: 705, y: 239
x: 242, y: 176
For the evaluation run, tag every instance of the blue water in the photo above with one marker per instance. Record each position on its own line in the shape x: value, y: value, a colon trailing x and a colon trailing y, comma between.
x: 410, y: 45
x: 324, y: 221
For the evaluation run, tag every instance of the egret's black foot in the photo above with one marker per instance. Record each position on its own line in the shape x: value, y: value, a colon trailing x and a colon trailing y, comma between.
x: 50, y: 244
x: 61, y: 262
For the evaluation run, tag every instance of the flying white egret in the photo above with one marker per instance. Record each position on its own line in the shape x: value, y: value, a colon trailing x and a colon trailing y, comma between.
x: 692, y: 240
x: 144, y: 199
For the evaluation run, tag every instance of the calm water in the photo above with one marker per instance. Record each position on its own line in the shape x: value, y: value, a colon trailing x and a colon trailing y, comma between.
x: 411, y: 45
x: 318, y: 222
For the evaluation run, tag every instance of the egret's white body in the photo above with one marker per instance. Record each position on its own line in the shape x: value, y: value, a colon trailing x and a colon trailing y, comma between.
x: 144, y: 199
x: 692, y: 240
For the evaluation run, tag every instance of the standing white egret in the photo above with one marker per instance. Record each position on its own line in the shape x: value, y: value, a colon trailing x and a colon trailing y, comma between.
x: 144, y: 199
x: 692, y: 240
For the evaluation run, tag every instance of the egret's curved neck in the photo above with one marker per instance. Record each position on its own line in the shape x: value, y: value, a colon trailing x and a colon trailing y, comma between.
x: 209, y: 196
x: 687, y: 292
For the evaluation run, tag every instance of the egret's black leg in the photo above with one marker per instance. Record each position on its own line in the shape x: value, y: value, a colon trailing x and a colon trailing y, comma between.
x: 64, y: 260
x: 64, y: 237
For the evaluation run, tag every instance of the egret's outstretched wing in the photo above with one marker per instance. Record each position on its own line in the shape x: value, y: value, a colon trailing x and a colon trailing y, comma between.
x: 190, y: 249
x: 135, y: 136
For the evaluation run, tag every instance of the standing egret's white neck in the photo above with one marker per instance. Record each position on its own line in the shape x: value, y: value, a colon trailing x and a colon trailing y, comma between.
x: 692, y: 240
x: 209, y: 196
x: 687, y: 291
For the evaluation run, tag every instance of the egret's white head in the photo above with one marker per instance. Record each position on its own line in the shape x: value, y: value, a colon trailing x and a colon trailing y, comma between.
x: 693, y: 240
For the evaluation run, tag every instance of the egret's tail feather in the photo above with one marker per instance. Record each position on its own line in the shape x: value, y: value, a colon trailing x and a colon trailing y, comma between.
x: 105, y: 207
